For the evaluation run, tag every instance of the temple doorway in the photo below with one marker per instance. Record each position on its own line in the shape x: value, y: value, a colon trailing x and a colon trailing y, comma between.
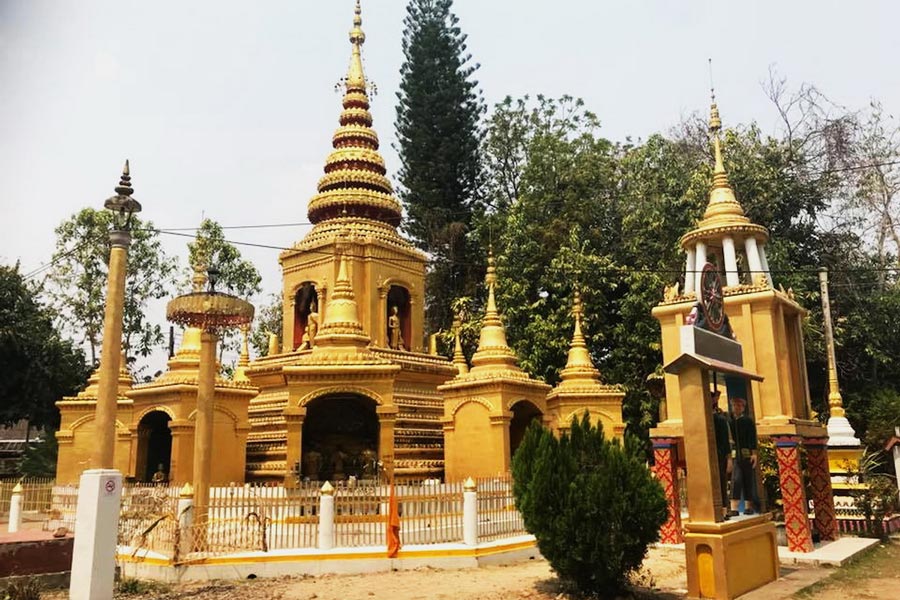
x: 524, y: 412
x: 154, y: 446
x: 399, y: 297
x: 306, y: 301
x: 340, y: 438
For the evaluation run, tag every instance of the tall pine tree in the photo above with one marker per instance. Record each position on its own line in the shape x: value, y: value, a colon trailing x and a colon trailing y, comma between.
x: 439, y: 136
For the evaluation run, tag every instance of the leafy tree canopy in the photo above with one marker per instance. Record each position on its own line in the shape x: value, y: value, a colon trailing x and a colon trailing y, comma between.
x: 40, y: 366
x: 79, y: 280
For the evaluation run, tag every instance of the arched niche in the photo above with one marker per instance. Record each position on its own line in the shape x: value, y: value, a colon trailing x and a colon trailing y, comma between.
x: 340, y: 438
x: 154, y: 450
x: 306, y: 300
x: 523, y: 413
x: 399, y: 297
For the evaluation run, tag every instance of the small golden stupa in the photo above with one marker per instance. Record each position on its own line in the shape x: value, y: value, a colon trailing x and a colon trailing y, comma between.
x: 581, y: 388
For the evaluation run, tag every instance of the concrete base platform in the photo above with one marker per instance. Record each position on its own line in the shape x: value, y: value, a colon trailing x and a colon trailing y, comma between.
x: 278, y: 563
x: 828, y: 553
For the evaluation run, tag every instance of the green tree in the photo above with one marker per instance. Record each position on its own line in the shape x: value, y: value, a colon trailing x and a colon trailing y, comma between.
x: 592, y: 506
x: 39, y: 365
x: 269, y: 319
x: 79, y: 280
x: 439, y: 136
x: 237, y: 275
x: 210, y: 249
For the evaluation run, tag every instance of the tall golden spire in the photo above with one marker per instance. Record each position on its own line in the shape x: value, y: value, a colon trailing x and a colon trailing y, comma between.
x: 459, y: 359
x: 354, y: 179
x: 723, y: 211
x: 493, y: 350
x: 723, y: 206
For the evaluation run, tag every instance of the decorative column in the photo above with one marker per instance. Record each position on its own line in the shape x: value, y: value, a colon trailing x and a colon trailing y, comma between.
x: 387, y: 417
x: 210, y: 312
x: 664, y: 455
x: 699, y: 261
x: 100, y: 487
x: 765, y: 262
x: 732, y: 277
x: 753, y: 261
x: 820, y: 482
x: 689, y: 267
x: 110, y: 356
x: 293, y: 422
x: 203, y: 432
x: 793, y: 494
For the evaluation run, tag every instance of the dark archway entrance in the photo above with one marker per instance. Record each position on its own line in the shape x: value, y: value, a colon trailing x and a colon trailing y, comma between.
x: 524, y: 412
x: 399, y: 297
x: 340, y: 438
x: 305, y: 301
x: 154, y: 445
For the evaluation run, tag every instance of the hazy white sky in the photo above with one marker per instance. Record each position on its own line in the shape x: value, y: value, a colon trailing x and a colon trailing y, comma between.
x: 227, y: 108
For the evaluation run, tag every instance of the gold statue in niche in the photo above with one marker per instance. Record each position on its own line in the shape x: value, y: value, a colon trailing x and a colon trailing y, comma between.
x: 395, y: 336
x: 312, y: 327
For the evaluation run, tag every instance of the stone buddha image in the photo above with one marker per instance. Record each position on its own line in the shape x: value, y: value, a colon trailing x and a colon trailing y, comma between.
x: 312, y: 327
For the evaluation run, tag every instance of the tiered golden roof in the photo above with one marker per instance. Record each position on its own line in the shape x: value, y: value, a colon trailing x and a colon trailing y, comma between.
x: 724, y: 214
x: 354, y: 179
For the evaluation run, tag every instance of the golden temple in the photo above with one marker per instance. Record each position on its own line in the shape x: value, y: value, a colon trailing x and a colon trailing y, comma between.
x: 349, y: 390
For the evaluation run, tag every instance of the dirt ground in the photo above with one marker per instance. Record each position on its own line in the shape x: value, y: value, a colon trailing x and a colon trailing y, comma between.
x: 663, y: 569
x: 872, y: 576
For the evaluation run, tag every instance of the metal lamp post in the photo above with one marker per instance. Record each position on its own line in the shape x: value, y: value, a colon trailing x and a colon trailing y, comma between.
x: 211, y: 312
x: 100, y: 487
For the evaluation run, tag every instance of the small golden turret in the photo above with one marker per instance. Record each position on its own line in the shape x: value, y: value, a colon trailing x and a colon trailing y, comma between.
x: 341, y: 326
x: 493, y: 351
x: 579, y: 366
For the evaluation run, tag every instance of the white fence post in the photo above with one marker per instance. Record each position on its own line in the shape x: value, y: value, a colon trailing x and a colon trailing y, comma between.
x: 94, y: 549
x: 15, y: 509
x: 326, y: 517
x: 185, y: 513
x: 470, y: 513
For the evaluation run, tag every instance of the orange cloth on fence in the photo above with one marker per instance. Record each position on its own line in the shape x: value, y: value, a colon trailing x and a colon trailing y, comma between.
x: 393, y: 524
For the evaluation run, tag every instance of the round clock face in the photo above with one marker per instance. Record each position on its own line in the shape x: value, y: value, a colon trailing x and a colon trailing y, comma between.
x: 711, y: 297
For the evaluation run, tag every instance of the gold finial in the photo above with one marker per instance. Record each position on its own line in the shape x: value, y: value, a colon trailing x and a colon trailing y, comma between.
x: 273, y: 344
x: 356, y: 79
x: 341, y: 326
x: 490, y: 278
x: 124, y: 188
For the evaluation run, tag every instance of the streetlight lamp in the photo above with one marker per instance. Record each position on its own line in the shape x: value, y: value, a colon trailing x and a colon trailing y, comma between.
x: 123, y: 207
x: 211, y: 312
x: 100, y: 487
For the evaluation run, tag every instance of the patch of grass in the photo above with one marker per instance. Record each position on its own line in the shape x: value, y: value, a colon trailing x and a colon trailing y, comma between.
x: 880, y: 562
x: 129, y: 586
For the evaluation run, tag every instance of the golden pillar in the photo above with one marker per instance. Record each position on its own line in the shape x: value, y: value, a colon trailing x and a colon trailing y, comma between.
x: 108, y: 392
x: 203, y: 428
x: 123, y: 206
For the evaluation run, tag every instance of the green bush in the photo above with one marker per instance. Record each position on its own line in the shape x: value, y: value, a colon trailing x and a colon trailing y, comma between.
x: 27, y: 589
x: 592, y: 506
